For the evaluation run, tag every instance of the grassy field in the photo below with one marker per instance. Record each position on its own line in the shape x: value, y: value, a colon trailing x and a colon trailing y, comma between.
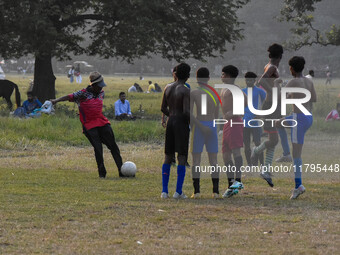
x: 52, y: 202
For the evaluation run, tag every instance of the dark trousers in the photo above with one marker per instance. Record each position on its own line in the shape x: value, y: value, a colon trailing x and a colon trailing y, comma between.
x: 103, y: 135
x: 256, y: 133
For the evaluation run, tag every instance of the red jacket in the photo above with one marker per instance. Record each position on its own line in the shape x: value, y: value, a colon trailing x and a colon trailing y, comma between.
x: 90, y: 108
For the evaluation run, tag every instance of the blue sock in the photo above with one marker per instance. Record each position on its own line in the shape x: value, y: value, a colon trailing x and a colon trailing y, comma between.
x: 180, y: 178
x: 284, y: 141
x: 165, y: 177
x: 297, y: 164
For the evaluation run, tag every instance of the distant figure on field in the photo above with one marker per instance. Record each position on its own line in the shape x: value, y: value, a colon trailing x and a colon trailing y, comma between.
x: 329, y: 78
x: 334, y: 114
x: 310, y: 74
x: 132, y: 89
x: 71, y: 74
x: 157, y: 88
x: 135, y: 88
x: 77, y: 73
x: 151, y: 87
x: 138, y: 87
x: 122, y: 108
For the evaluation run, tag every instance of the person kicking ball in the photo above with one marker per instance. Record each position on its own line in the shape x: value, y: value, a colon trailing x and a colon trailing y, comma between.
x: 96, y: 127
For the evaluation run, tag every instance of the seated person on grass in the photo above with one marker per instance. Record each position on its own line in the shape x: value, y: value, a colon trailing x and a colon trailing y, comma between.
x: 334, y: 114
x: 151, y: 87
x: 132, y: 88
x: 157, y: 88
x: 122, y: 108
x: 31, y: 103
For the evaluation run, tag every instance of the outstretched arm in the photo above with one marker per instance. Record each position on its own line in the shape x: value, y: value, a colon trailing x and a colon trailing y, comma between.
x: 60, y: 99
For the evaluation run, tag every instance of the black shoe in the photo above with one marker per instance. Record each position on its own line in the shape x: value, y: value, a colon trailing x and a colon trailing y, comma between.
x: 102, y: 176
x: 267, y: 177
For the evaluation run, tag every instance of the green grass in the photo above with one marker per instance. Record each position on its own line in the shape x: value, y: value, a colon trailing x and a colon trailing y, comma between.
x: 64, y: 130
x: 52, y: 202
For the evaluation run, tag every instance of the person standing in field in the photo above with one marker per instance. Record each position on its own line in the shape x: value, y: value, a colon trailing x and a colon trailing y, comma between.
x: 304, y: 122
x: 310, y: 74
x: 232, y: 140
x: 259, y: 96
x: 77, y: 73
x: 268, y: 81
x: 96, y: 127
x: 329, y: 78
x: 71, y: 74
x: 176, y: 105
x: 203, y: 131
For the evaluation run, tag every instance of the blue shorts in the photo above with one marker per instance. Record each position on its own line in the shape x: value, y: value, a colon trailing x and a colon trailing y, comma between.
x: 304, y: 122
x: 210, y: 141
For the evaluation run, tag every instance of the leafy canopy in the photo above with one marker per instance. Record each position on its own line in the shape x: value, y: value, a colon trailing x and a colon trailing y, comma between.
x: 128, y: 29
x: 305, y: 33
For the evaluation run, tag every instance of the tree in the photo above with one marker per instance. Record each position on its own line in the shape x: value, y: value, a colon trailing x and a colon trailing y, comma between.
x: 127, y: 29
x: 305, y: 33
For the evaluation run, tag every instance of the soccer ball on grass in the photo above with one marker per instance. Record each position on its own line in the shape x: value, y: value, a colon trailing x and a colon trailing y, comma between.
x: 129, y: 169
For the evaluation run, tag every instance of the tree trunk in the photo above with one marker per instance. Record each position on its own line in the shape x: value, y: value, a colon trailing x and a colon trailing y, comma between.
x: 44, y: 79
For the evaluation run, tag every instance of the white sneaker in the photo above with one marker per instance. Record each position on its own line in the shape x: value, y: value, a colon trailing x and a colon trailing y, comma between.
x: 179, y: 196
x: 215, y: 196
x: 297, y: 192
x: 164, y: 195
x: 195, y: 196
x: 287, y: 158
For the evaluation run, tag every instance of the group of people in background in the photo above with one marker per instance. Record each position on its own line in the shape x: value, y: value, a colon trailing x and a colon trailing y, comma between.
x: 152, y: 87
x: 178, y: 104
x: 75, y: 72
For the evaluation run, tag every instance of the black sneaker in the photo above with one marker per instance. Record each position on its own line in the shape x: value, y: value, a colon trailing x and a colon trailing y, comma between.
x: 267, y: 177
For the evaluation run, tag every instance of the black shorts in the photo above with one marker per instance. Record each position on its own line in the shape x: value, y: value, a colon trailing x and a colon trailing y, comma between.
x: 268, y: 126
x: 177, y: 135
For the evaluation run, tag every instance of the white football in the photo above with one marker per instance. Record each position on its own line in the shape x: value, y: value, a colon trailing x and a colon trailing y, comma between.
x: 129, y: 169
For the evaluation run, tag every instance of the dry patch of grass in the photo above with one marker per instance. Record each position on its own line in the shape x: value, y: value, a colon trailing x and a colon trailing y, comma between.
x: 53, y: 202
